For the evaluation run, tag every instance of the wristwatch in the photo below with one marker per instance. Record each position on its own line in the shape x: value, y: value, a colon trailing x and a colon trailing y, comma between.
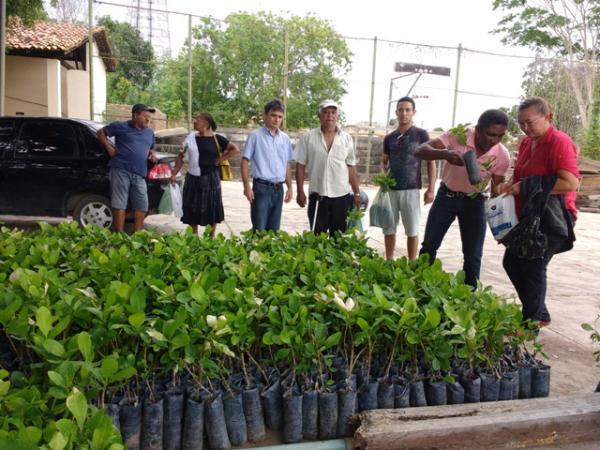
x: 357, y: 194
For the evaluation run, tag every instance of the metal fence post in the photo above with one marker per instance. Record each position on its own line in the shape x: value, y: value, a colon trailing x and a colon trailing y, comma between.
x: 371, y: 131
x: 458, y: 55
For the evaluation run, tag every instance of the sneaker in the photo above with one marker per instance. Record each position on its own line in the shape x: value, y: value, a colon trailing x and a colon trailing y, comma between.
x: 544, y: 323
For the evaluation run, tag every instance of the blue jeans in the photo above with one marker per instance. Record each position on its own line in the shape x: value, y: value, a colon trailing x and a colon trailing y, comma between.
x: 265, y: 210
x: 447, y: 206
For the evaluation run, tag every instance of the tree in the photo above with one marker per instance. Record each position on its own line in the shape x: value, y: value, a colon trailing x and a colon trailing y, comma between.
x: 591, y: 147
x: 28, y: 10
x: 568, y: 29
x: 69, y: 10
x: 135, y: 61
x: 549, y: 79
x: 239, y: 65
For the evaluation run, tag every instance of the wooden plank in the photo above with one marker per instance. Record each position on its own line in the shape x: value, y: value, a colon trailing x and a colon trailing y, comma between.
x: 589, y: 184
x: 497, y: 425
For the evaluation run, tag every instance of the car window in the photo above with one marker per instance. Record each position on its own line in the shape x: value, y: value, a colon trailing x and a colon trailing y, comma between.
x: 46, y: 139
x: 92, y: 146
x: 6, y: 131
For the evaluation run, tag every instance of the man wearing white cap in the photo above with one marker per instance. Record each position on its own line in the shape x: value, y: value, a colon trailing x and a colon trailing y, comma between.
x: 327, y: 153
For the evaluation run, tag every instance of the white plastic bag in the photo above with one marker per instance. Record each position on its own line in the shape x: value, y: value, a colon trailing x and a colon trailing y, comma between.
x: 171, y: 202
x: 381, y: 214
x: 501, y: 215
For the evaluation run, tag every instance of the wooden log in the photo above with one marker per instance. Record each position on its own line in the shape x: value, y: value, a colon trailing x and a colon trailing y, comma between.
x: 495, y: 425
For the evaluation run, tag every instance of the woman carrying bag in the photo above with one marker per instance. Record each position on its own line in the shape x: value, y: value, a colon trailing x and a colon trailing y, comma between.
x: 205, y: 151
x: 546, y: 166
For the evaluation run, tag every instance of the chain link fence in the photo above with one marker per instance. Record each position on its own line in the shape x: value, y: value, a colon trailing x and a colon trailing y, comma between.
x: 478, y: 79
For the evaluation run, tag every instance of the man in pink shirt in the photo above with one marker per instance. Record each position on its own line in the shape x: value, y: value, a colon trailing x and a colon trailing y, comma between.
x: 456, y: 197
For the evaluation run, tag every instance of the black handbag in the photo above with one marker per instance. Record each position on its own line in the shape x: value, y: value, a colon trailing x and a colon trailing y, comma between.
x: 525, y: 240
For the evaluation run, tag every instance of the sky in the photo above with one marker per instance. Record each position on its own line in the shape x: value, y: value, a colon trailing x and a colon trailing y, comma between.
x: 429, y: 22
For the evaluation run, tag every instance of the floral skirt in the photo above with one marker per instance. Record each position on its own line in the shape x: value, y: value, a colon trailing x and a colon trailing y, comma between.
x: 202, y: 200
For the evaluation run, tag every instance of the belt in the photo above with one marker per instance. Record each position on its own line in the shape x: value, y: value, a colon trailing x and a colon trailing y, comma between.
x: 455, y: 194
x: 268, y: 183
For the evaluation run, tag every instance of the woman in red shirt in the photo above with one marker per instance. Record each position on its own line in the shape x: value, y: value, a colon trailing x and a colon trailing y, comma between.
x: 544, y: 151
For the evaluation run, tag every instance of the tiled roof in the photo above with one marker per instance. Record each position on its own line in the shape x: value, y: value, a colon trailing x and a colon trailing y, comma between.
x: 54, y: 39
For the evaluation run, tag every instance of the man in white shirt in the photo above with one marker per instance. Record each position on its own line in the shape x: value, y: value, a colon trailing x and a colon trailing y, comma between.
x: 327, y: 153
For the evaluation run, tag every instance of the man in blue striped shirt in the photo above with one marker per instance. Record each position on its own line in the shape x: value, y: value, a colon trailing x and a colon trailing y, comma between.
x: 268, y: 152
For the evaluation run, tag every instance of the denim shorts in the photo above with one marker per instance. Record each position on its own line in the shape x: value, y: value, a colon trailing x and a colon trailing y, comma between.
x: 126, y: 185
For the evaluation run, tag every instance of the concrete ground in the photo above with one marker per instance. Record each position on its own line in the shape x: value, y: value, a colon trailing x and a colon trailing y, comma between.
x: 573, y: 278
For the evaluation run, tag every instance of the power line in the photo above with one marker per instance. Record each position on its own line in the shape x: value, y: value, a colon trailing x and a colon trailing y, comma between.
x: 101, y: 2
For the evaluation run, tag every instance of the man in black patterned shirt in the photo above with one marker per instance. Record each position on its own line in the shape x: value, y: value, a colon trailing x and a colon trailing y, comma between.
x: 398, y: 157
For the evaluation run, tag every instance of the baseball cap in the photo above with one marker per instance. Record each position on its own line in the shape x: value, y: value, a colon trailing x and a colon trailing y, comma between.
x: 328, y: 104
x: 140, y: 107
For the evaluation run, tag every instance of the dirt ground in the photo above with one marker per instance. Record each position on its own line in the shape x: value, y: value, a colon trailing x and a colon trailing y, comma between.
x: 573, y: 295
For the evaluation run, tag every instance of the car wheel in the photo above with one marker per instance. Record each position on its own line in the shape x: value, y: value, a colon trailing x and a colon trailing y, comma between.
x: 94, y: 210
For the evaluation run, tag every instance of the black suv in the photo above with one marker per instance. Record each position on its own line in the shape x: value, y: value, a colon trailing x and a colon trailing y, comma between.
x: 57, y: 167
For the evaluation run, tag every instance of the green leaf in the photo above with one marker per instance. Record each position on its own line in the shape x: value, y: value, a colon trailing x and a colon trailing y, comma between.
x: 124, y: 374
x: 103, y: 430
x: 58, y: 441
x: 84, y: 342
x: 282, y: 353
x: 181, y: 340
x: 197, y: 292
x: 77, y: 404
x: 43, y: 319
x: 156, y: 335
x: 10, y: 443
x: 412, y: 337
x: 362, y: 323
x: 138, y: 300
x: 587, y: 327
x: 57, y: 379
x: 137, y: 319
x: 333, y: 340
x: 4, y: 387
x: 267, y: 338
x: 31, y: 434
x: 68, y: 428
x: 433, y: 317
x: 108, y: 368
x: 122, y: 290
x: 54, y: 347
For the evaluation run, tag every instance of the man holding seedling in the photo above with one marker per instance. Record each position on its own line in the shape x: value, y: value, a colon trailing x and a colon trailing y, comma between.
x: 268, y: 151
x: 328, y: 154
x: 456, y: 196
x: 399, y: 158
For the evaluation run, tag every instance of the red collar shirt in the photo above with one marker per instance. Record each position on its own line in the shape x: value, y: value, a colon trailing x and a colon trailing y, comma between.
x: 553, y: 152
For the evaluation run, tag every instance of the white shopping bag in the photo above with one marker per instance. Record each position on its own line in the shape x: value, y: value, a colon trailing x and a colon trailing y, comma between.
x: 171, y: 202
x: 381, y: 214
x: 176, y: 200
x: 501, y: 215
